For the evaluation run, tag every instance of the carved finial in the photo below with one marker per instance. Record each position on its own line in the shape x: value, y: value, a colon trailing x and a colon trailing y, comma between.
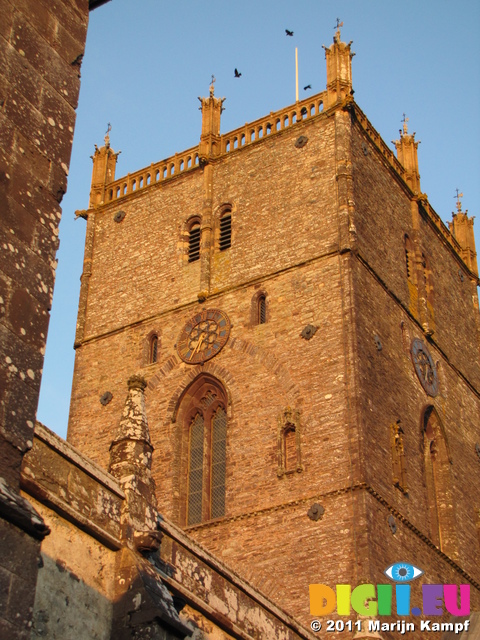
x: 405, y: 126
x: 107, y: 137
x: 457, y: 198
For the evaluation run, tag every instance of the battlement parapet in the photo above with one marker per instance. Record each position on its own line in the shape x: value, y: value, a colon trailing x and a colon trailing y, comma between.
x: 238, y: 138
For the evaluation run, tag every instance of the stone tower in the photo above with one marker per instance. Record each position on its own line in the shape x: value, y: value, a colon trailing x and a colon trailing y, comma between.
x: 308, y: 329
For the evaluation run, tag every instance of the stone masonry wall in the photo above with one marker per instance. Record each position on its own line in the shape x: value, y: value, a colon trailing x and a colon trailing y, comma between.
x: 41, y: 47
x: 295, y: 212
x: 284, y: 243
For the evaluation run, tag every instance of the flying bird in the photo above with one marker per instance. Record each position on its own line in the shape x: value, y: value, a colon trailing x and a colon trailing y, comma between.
x: 309, y: 86
x: 237, y: 73
x: 289, y: 33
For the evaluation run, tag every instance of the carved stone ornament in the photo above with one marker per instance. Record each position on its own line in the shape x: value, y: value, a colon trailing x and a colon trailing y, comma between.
x: 316, y: 512
x: 203, y: 336
x: 119, y: 216
x: 424, y: 367
x: 301, y: 142
x: 309, y: 331
x: 106, y: 398
x: 392, y: 524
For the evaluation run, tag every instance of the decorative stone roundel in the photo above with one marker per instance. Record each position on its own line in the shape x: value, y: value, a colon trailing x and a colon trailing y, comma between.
x: 301, y: 142
x: 203, y: 336
x: 106, y: 398
x: 308, y: 332
x: 119, y: 216
x: 424, y: 367
x: 316, y: 512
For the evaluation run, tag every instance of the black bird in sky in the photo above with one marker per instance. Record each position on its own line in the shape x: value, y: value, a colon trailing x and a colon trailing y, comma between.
x: 289, y: 33
x: 309, y: 86
x: 237, y: 73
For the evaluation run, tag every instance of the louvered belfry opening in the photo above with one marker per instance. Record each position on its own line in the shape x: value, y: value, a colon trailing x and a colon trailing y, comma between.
x: 194, y: 242
x: 203, y: 412
x: 226, y: 231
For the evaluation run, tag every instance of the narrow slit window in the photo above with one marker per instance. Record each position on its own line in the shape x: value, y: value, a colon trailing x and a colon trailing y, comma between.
x: 225, y: 231
x: 290, y: 448
x: 398, y: 457
x: 262, y: 310
x: 409, y: 259
x: 194, y: 242
x: 289, y: 455
x: 153, y: 349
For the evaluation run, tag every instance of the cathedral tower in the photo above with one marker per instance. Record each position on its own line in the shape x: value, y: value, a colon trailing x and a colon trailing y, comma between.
x: 308, y: 329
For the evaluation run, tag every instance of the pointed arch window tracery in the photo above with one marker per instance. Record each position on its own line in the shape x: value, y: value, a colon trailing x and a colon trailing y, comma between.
x: 203, y: 410
x: 438, y: 483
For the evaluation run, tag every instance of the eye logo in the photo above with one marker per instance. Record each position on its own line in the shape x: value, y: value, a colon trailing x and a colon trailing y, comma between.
x: 402, y: 572
x: 370, y: 600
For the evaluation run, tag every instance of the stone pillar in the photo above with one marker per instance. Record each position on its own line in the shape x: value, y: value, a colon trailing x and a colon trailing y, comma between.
x: 131, y: 462
x: 209, y: 147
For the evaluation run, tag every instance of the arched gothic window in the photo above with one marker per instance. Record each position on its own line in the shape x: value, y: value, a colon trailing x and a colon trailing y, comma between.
x: 290, y: 447
x: 398, y: 457
x: 153, y: 349
x: 262, y: 309
x: 203, y: 410
x: 259, y: 308
x: 410, y: 259
x: 428, y: 282
x: 289, y: 459
x: 438, y: 482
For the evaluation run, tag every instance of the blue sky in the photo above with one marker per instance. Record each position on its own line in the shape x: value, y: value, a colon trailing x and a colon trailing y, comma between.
x: 146, y: 62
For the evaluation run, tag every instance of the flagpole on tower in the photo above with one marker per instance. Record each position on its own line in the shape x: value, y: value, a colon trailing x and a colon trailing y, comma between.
x: 296, y: 74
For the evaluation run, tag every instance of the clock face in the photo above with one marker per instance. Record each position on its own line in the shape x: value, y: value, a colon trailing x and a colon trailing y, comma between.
x: 425, y: 367
x: 203, y: 336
